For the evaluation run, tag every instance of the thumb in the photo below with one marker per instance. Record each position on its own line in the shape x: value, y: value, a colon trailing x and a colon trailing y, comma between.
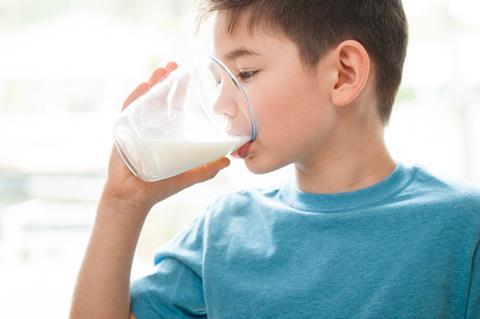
x: 186, y: 179
x: 208, y: 171
x: 167, y: 187
x: 203, y: 172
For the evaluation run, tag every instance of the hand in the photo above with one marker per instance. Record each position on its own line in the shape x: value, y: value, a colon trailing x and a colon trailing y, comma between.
x: 125, y: 188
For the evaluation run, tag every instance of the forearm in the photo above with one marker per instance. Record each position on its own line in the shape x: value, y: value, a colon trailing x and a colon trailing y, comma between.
x: 103, y: 285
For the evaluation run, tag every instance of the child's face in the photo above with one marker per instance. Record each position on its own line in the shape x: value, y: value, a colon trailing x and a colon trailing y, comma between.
x: 295, y: 117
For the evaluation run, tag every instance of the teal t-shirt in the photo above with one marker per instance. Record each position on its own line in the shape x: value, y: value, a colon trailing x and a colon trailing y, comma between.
x: 407, y: 247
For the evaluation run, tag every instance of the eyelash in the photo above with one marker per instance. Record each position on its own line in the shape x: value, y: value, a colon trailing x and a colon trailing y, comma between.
x: 246, y: 75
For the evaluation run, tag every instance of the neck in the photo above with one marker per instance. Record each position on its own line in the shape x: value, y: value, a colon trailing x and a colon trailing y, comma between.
x: 350, y: 162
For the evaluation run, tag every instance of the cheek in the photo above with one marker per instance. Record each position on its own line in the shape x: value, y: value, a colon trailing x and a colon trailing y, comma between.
x: 272, y: 102
x: 273, y: 113
x: 280, y: 133
x: 284, y: 111
x: 290, y: 124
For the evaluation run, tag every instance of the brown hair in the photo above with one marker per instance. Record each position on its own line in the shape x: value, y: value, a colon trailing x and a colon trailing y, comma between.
x: 316, y: 26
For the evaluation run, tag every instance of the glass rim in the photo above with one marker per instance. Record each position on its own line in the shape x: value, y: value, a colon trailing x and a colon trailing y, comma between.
x: 242, y: 91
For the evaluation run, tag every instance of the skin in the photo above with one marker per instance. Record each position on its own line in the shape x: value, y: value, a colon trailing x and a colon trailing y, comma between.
x: 323, y: 121
x: 103, y: 284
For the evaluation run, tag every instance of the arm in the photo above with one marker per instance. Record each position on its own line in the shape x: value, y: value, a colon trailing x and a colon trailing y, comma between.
x: 103, y: 284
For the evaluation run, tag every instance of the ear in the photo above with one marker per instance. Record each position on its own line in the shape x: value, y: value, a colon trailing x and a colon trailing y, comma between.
x: 352, y: 68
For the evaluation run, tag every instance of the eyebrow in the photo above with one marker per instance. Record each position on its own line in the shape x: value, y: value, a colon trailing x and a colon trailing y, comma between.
x: 240, y: 52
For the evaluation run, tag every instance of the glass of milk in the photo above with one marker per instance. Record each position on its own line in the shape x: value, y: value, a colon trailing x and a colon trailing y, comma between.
x: 198, y: 114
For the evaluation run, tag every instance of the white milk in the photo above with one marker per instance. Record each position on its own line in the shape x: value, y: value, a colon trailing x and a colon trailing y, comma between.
x: 155, y: 159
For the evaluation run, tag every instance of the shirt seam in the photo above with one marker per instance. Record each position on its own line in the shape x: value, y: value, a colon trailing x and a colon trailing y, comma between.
x: 469, y: 285
x: 292, y: 204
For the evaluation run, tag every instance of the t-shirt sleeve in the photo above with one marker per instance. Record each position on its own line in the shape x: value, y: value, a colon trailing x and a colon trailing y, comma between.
x: 473, y: 306
x: 175, y: 288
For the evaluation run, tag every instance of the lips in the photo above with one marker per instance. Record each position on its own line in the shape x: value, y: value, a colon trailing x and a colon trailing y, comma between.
x: 242, y: 152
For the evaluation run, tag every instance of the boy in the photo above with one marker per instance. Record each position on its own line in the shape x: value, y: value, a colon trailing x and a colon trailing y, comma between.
x: 353, y: 235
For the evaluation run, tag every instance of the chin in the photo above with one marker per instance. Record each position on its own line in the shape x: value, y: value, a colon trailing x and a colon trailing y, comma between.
x: 257, y: 166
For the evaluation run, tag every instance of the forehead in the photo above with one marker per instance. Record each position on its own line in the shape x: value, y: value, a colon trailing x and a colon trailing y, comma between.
x: 243, y: 40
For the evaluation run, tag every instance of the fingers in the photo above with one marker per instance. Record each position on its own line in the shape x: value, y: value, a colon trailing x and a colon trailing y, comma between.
x: 207, y: 171
x: 195, y: 176
x: 158, y: 75
x: 139, y: 91
x: 219, y: 164
x: 171, y: 66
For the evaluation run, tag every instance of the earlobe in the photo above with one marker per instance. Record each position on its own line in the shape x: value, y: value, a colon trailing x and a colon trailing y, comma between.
x: 352, y: 69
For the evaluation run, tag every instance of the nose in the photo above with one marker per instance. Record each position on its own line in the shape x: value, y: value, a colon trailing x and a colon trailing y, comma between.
x: 225, y: 104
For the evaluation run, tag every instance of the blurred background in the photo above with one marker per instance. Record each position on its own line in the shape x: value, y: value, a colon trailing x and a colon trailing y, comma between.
x: 67, y: 66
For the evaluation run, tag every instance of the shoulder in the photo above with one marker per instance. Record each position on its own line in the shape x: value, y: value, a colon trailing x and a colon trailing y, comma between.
x: 240, y: 214
x: 243, y: 202
x: 243, y: 197
x: 446, y: 186
x: 448, y: 192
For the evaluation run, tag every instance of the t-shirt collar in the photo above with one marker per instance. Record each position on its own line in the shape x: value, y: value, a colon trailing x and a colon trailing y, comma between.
x: 398, y: 179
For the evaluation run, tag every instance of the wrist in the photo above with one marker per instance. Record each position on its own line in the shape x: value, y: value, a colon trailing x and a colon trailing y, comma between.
x: 121, y: 208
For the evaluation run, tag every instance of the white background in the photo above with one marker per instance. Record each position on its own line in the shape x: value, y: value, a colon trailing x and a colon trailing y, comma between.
x: 65, y: 68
